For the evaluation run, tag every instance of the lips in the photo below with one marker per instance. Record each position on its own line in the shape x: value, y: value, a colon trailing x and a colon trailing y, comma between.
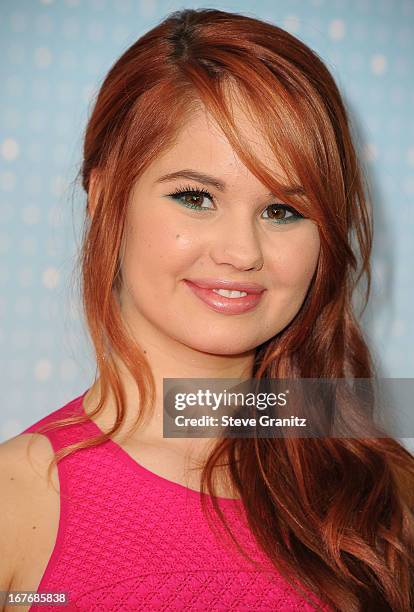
x: 220, y: 283
x: 220, y: 303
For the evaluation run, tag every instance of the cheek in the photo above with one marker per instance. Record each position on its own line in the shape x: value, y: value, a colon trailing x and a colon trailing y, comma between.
x: 157, y: 246
x: 294, y: 261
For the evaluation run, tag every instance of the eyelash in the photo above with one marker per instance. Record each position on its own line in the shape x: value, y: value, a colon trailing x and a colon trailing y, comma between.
x: 189, y: 190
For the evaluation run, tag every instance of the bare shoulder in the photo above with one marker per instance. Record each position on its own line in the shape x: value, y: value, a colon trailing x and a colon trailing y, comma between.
x: 26, y: 492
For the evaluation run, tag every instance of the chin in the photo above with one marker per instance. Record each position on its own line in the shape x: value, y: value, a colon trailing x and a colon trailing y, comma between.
x: 220, y: 345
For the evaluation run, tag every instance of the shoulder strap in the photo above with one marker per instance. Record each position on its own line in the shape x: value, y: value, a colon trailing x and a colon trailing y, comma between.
x: 63, y: 435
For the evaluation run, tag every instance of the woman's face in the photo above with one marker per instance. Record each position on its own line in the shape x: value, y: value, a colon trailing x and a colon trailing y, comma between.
x: 234, y: 237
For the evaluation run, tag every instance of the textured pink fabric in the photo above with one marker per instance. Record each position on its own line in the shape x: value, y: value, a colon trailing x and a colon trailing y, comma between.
x: 129, y: 539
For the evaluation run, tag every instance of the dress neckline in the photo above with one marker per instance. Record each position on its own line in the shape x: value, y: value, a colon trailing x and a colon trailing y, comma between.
x: 160, y: 480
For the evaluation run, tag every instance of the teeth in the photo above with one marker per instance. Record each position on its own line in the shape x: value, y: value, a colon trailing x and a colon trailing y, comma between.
x: 230, y: 294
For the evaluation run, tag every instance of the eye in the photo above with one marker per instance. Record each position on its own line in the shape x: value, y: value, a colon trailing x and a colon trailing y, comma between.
x: 191, y: 197
x: 278, y: 213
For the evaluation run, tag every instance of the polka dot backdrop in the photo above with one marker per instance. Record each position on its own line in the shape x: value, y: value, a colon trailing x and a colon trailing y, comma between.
x: 55, y: 52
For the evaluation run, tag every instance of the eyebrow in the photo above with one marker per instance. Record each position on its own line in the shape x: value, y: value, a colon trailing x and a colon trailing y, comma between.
x: 207, y: 179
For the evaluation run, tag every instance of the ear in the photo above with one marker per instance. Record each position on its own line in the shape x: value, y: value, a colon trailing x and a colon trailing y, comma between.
x: 93, y: 191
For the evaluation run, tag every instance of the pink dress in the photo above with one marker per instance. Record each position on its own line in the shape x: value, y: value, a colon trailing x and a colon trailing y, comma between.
x: 129, y: 539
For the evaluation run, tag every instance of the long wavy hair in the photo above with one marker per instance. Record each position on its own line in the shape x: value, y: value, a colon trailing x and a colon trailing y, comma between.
x: 335, y: 515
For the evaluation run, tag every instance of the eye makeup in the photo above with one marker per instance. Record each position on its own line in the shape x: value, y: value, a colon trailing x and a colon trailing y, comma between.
x: 188, y: 191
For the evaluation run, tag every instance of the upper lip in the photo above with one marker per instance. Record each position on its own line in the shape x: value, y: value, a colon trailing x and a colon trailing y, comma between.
x: 221, y: 283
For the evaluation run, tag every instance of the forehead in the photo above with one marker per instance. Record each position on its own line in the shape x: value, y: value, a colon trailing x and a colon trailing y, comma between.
x: 200, y: 144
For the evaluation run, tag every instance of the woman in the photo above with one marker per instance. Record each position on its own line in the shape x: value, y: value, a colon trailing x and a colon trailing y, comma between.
x: 218, y: 156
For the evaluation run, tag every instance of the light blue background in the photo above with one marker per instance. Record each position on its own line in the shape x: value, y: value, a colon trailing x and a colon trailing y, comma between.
x: 54, y: 54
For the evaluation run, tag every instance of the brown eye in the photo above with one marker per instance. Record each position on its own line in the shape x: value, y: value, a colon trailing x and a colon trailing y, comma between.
x: 281, y: 213
x: 277, y: 212
x: 193, y: 199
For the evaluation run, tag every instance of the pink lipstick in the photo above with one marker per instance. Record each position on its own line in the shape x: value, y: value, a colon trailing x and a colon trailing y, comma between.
x: 204, y: 290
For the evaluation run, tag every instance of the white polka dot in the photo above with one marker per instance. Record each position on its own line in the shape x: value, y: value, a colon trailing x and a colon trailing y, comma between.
x: 16, y: 53
x: 42, y: 57
x: 18, y: 22
x: 410, y: 156
x: 50, y: 278
x: 392, y: 154
x: 74, y: 339
x: 337, y: 29
x: 363, y: 5
x: 41, y: 89
x: 124, y: 6
x: 60, y: 153
x: 68, y: 60
x: 33, y: 183
x: 43, y: 370
x: 5, y: 243
x: 379, y: 271
x: 65, y: 91
x: 14, y: 85
x: 370, y: 152
x: 31, y: 214
x: 314, y: 25
x: 44, y: 24
x: 404, y: 37
x: 34, y: 152
x: 71, y: 28
x: 29, y: 245
x: 355, y: 61
x: 382, y: 33
x: 401, y: 66
x: 375, y: 95
x: 12, y: 118
x: 6, y: 212
x: 397, y: 95
x: 407, y: 8
x: 395, y: 126
x: 58, y: 186
x: 10, y: 428
x: 45, y: 338
x: 93, y: 63
x: 52, y: 248
x: 398, y: 328
x: 292, y: 23
x: 20, y: 339
x: 55, y: 217
x: 385, y: 6
x: 23, y: 306
x: 4, y: 275
x: 119, y: 34
x: 74, y: 310
x: 408, y: 185
x: 37, y: 120
x: 68, y: 370
x: 63, y: 124
x: 378, y: 64
x: 96, y: 31
x: 88, y: 93
x: 9, y: 149
x: 359, y: 32
x: 147, y: 8
x: 7, y: 181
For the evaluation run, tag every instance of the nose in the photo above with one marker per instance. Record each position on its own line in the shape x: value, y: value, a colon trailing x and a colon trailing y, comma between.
x: 236, y: 243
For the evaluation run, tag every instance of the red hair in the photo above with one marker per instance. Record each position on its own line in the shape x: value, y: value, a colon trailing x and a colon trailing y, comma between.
x: 334, y: 513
